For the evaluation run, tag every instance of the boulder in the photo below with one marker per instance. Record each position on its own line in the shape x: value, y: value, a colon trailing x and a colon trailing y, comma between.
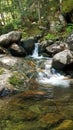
x: 62, y: 59
x: 7, y: 39
x: 17, y: 50
x: 57, y: 47
x: 8, y: 61
x: 70, y: 42
x: 28, y: 44
x: 44, y: 44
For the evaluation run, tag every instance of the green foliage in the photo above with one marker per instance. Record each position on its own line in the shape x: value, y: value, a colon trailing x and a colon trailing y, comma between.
x: 7, y: 28
x: 51, y: 36
x: 69, y: 28
x: 16, y: 80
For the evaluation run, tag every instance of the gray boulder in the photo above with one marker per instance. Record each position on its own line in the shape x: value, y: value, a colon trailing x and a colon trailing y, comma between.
x: 17, y: 50
x: 57, y: 47
x: 62, y: 59
x: 7, y: 39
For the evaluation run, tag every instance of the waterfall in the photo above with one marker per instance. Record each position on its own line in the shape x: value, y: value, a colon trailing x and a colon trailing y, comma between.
x: 36, y: 52
x: 46, y: 75
x: 49, y: 76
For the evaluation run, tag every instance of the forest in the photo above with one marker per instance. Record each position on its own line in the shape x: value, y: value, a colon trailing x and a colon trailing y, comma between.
x: 50, y: 15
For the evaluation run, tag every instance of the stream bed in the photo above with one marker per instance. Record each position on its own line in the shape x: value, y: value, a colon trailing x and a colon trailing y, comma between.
x: 45, y: 104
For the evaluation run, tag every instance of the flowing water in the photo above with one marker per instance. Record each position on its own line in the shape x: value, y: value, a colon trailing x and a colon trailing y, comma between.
x: 47, y: 103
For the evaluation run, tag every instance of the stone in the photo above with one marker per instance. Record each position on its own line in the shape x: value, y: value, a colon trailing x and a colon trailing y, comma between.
x: 62, y: 59
x: 7, y: 39
x: 44, y: 44
x: 8, y: 61
x: 17, y: 50
x: 28, y: 45
x: 57, y: 47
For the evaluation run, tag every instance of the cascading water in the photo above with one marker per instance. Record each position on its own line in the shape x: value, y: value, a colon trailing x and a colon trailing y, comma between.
x: 50, y: 76
x: 35, y: 54
x: 46, y: 75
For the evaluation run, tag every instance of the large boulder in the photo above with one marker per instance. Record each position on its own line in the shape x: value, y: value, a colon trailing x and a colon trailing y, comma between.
x: 70, y: 42
x: 7, y: 39
x: 62, y: 59
x: 17, y: 50
x: 57, y: 47
x: 28, y: 44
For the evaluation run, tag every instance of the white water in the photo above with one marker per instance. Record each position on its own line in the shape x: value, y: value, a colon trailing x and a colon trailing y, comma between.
x: 48, y: 75
x: 35, y: 54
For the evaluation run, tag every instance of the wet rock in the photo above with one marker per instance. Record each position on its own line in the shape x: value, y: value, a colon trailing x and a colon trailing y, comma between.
x: 17, y: 50
x: 70, y: 42
x: 28, y: 44
x: 62, y: 59
x: 12, y: 37
x: 57, y: 47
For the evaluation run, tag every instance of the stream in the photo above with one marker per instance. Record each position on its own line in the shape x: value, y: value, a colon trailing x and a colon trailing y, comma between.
x: 47, y: 103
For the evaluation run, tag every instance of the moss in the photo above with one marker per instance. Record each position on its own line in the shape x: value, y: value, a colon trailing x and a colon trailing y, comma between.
x: 1, y: 71
x: 67, y: 6
x: 51, y: 36
x: 16, y: 79
x: 66, y: 125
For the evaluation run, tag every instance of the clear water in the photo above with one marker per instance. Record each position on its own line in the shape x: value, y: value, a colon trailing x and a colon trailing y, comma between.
x: 46, y: 103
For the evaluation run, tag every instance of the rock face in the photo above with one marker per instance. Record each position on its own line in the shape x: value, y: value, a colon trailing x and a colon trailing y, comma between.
x: 12, y: 37
x: 28, y: 45
x: 62, y: 59
x: 17, y: 50
x: 70, y: 42
x: 57, y: 47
